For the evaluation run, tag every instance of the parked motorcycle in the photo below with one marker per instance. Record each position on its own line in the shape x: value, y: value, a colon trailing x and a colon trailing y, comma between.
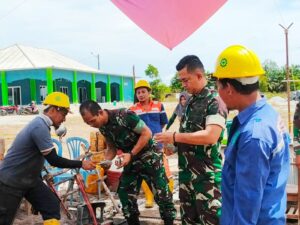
x: 30, y: 109
x: 12, y: 109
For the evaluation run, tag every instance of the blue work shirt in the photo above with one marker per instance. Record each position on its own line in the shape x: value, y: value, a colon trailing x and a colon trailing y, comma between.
x: 256, y: 168
x: 24, y: 161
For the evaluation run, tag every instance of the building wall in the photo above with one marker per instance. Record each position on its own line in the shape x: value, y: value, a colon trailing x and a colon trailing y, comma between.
x: 128, y: 89
x: 101, y: 97
x: 60, y: 83
x: 24, y: 84
x: 65, y: 74
x: 0, y: 93
x: 39, y: 97
x: 31, y: 81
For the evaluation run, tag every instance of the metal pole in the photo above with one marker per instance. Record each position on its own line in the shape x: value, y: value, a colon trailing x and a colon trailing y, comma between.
x: 133, y: 74
x: 286, y: 31
x: 98, y: 57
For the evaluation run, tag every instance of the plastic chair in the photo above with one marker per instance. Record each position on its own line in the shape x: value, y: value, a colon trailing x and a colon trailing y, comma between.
x: 74, y: 147
x: 59, y: 149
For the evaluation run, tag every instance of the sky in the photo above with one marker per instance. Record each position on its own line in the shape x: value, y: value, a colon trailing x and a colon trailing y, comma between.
x: 78, y: 28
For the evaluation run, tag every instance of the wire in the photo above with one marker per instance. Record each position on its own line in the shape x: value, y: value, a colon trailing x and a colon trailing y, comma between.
x: 12, y: 10
x: 279, y: 11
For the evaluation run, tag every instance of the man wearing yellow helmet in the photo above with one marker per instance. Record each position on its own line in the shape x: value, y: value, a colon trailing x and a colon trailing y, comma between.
x: 256, y: 165
x: 20, y: 171
x: 155, y: 117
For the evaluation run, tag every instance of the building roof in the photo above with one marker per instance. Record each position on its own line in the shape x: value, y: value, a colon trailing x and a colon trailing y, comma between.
x: 19, y: 57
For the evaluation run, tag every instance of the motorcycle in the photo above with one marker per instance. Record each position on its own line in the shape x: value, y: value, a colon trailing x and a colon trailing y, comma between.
x: 12, y: 109
x: 28, y: 110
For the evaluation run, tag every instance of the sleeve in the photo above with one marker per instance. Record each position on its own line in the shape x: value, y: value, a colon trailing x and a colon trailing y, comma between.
x: 171, y: 120
x: 41, y: 137
x: 252, y: 170
x: 132, y: 121
x: 214, y: 114
x: 61, y: 162
x: 163, y: 116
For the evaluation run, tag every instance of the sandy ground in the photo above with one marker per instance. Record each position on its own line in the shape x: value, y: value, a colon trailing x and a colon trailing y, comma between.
x: 10, y: 125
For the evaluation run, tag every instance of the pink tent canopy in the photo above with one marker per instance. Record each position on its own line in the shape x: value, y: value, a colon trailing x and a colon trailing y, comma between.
x: 169, y: 21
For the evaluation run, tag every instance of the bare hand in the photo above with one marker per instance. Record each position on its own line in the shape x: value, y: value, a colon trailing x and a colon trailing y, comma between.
x: 123, y: 160
x: 105, y: 164
x: 168, y: 151
x: 88, y: 165
x: 165, y: 137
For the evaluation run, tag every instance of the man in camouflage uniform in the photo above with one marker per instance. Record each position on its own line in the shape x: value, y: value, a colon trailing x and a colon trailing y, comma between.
x: 198, y: 147
x: 126, y: 131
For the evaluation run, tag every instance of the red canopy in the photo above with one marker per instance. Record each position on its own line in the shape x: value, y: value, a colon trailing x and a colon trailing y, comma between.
x: 169, y: 21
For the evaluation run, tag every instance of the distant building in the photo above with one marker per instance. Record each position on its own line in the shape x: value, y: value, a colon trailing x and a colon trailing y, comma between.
x: 28, y: 73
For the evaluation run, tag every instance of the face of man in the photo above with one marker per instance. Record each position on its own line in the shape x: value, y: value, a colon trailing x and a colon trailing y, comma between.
x: 142, y: 94
x: 225, y: 93
x: 96, y: 121
x: 59, y: 116
x: 192, y: 81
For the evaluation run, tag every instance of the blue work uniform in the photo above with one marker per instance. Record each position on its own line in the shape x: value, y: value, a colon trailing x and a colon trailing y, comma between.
x: 155, y: 118
x: 256, y: 168
x: 20, y: 172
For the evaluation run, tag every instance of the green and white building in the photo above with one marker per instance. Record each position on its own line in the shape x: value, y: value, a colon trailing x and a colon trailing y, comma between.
x: 28, y: 73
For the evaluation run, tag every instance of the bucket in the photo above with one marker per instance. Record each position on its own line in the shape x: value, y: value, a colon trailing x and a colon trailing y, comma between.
x: 91, y: 182
x: 113, y: 178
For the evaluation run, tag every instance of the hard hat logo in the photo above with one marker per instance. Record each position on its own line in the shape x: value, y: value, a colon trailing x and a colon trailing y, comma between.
x: 58, y: 98
x: 223, y: 62
x: 237, y: 61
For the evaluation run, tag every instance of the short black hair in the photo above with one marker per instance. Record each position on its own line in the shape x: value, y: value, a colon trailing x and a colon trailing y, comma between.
x: 191, y: 62
x: 239, y: 87
x: 90, y: 106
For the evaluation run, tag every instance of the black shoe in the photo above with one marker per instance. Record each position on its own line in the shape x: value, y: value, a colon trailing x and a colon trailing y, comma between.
x: 169, y: 222
x: 133, y: 220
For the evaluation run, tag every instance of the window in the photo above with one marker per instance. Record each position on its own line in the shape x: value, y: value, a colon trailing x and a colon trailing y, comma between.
x: 43, y: 92
x: 14, y: 95
x: 64, y: 90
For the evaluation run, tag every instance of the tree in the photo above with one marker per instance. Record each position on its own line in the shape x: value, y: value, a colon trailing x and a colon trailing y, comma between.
x: 295, y: 76
x: 176, y: 85
x: 275, y: 76
x: 158, y: 88
x: 152, y: 72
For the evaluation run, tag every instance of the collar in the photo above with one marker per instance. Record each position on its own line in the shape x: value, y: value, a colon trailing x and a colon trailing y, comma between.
x: 246, y: 113
x: 47, y: 119
x: 202, y: 93
x: 139, y: 105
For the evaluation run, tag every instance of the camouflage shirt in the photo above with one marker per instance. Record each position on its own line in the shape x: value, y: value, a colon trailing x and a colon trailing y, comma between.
x: 201, y: 162
x: 122, y: 130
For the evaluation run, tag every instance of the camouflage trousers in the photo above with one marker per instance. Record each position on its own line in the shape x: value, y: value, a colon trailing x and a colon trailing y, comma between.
x: 200, y: 203
x: 199, y: 190
x: 147, y: 166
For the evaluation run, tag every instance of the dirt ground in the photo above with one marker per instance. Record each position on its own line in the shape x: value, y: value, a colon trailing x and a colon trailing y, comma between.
x: 12, y: 124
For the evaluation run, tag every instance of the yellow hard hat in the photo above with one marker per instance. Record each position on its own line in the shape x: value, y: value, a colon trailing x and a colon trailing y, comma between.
x: 237, y: 61
x: 142, y: 83
x: 57, y: 99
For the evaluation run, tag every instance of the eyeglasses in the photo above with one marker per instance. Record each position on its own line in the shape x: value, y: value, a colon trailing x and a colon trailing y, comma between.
x: 63, y: 111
